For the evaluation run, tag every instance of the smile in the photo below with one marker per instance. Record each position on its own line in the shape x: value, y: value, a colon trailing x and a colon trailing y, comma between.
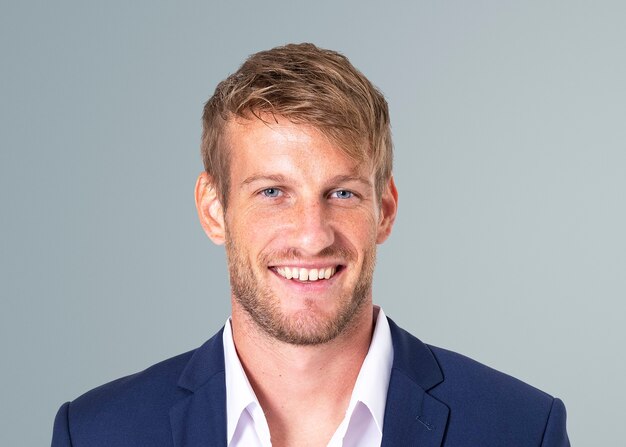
x: 304, y: 274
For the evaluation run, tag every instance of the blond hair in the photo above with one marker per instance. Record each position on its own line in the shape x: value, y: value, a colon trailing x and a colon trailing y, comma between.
x: 306, y: 85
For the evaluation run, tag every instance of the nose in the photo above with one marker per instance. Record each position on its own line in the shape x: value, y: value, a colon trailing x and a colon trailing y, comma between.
x: 312, y: 229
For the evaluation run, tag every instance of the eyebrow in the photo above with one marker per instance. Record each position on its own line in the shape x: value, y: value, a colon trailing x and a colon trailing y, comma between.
x: 351, y: 178
x: 279, y: 178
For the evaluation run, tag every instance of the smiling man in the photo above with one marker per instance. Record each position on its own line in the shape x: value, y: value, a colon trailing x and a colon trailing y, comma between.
x: 298, y: 187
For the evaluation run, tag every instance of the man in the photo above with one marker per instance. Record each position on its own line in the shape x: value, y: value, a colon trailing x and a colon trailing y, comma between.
x: 298, y: 187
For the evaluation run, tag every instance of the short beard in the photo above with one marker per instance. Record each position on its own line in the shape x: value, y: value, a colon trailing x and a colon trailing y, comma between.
x: 302, y: 329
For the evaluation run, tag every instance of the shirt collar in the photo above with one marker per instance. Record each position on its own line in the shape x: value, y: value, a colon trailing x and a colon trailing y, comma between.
x: 372, y: 382
x: 239, y: 393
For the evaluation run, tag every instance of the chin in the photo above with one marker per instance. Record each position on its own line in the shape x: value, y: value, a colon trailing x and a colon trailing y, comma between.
x: 312, y: 325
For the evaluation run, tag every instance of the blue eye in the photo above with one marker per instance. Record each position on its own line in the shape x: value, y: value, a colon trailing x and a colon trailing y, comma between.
x: 343, y: 194
x: 271, y: 192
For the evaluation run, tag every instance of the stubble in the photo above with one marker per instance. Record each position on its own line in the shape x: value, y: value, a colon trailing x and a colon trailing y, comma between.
x: 304, y: 327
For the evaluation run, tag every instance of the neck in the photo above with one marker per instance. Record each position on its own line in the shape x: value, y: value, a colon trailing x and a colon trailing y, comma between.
x: 302, y: 386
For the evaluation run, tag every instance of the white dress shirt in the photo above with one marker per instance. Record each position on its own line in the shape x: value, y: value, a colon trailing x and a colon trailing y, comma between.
x: 362, y: 425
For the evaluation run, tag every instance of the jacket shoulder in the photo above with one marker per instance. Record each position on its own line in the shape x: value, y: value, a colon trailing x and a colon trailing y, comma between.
x: 135, y: 410
x: 161, y: 376
x: 465, y: 375
x: 131, y: 409
x: 483, y: 400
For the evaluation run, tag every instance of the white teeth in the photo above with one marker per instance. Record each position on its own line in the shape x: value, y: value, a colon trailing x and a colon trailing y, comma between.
x: 304, y: 274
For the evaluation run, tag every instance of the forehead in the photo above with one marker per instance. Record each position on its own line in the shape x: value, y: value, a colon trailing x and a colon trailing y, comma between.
x: 278, y: 144
x: 242, y: 131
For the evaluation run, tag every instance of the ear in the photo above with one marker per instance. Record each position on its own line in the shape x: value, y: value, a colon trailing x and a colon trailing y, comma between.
x: 388, y: 211
x: 210, y: 211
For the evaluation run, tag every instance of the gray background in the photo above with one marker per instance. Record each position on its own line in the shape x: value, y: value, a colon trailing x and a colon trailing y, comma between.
x: 508, y: 120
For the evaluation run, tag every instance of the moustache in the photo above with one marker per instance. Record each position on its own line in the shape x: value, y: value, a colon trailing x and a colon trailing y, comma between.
x: 333, y: 253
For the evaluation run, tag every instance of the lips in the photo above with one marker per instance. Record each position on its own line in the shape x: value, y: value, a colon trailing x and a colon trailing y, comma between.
x: 306, y: 274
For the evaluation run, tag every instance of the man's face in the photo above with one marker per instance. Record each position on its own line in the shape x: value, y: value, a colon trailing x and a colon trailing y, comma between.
x: 301, y: 230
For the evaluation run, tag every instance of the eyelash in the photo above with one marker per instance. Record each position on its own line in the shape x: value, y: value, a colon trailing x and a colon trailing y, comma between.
x: 266, y: 192
x: 349, y: 193
x: 273, y: 193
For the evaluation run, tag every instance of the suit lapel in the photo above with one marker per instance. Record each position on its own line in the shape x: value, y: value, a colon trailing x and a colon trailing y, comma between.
x: 412, y: 416
x: 200, y: 418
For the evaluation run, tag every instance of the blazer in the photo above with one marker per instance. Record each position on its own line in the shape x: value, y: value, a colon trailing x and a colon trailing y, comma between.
x: 436, y: 398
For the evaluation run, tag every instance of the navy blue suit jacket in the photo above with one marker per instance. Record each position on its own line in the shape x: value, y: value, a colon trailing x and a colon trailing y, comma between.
x: 436, y: 398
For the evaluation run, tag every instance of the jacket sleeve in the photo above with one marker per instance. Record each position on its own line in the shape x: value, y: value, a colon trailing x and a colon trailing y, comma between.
x: 555, y: 433
x: 61, y: 431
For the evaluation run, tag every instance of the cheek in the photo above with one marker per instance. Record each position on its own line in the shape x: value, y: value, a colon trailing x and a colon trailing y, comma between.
x: 365, y: 219
x: 253, y: 232
x: 360, y: 229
